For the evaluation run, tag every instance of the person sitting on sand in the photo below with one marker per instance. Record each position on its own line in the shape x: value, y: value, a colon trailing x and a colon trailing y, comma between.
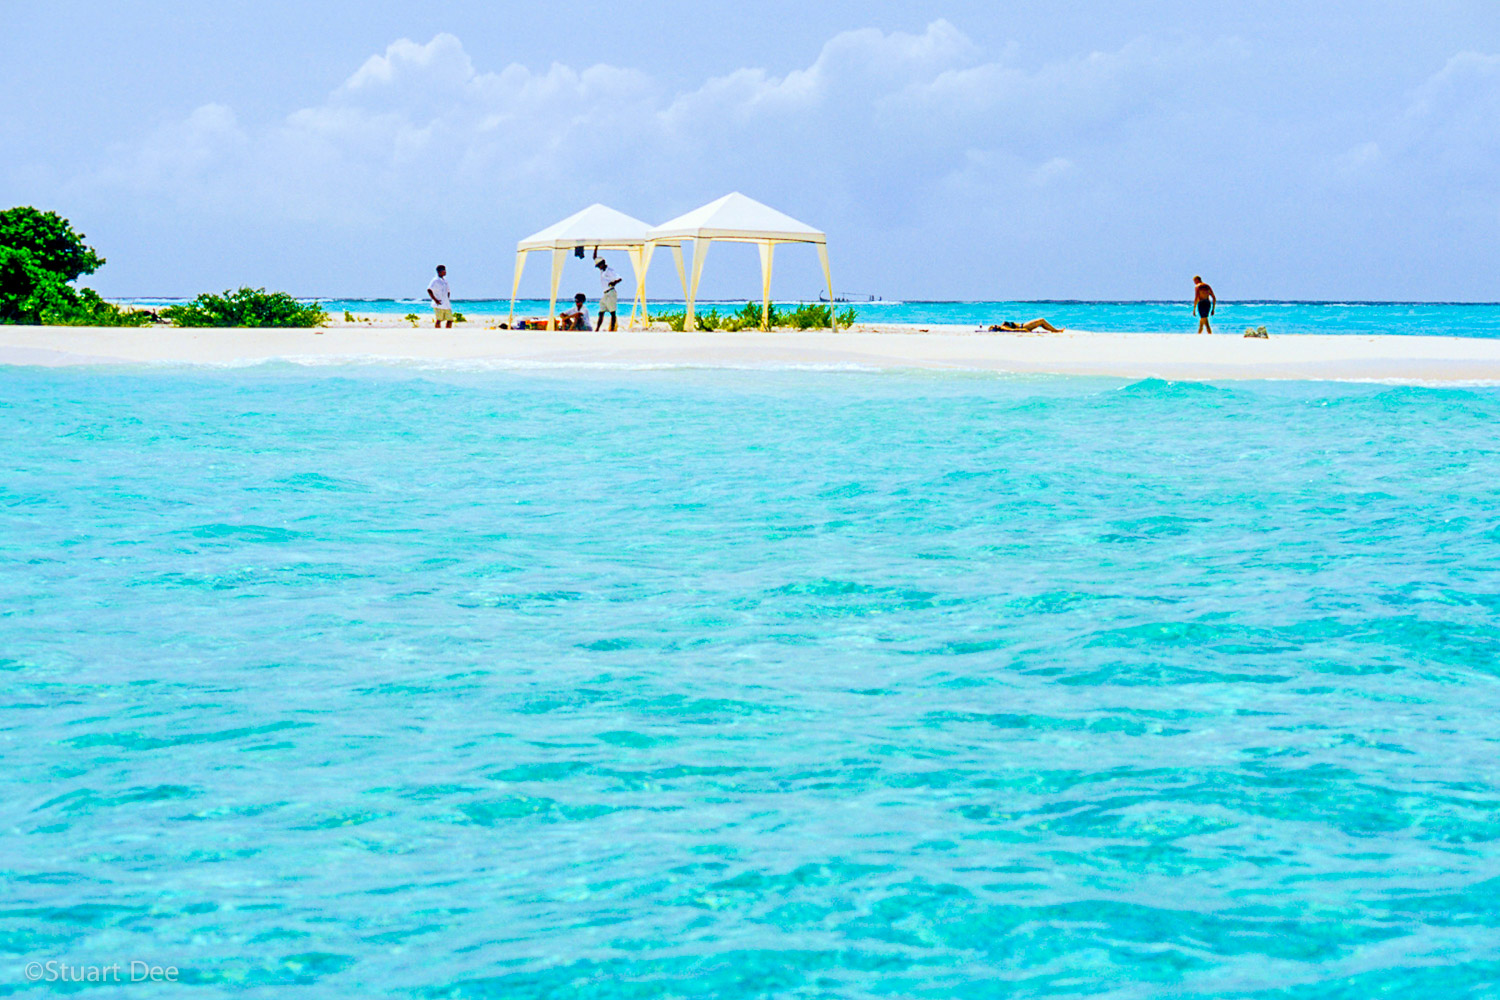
x: 1035, y: 324
x: 576, y: 318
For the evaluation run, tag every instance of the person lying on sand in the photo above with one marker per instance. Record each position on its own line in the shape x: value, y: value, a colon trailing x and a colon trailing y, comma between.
x: 1030, y: 325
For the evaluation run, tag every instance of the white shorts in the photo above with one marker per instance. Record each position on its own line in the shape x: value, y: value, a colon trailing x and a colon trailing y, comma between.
x: 442, y: 315
x: 609, y: 301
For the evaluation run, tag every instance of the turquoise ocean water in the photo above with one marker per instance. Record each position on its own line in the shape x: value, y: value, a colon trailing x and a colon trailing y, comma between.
x: 369, y: 681
x: 1423, y: 318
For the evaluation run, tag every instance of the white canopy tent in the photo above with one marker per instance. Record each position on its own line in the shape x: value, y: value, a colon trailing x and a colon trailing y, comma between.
x: 736, y: 219
x: 597, y: 226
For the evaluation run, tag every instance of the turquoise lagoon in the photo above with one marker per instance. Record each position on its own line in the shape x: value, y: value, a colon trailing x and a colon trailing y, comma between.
x: 375, y: 681
x: 1353, y: 318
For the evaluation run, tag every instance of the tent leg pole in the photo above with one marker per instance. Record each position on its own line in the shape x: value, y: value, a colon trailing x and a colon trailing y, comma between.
x: 767, y: 250
x: 681, y: 274
x: 557, y: 268
x: 515, y: 287
x: 646, y: 253
x: 634, y: 253
x: 700, y: 251
x: 833, y: 323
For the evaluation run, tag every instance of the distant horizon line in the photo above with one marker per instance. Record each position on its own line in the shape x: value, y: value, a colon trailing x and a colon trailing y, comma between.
x: 894, y: 301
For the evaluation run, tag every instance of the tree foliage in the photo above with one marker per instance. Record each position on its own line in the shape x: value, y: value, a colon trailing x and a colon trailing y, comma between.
x: 246, y: 307
x: 40, y: 256
x: 27, y: 289
x: 49, y: 240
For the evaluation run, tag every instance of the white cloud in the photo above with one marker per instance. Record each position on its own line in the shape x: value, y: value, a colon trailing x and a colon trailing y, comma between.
x: 872, y: 114
x: 1453, y: 119
x: 884, y: 138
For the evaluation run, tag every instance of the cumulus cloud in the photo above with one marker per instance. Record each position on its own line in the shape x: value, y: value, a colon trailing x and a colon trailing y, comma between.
x: 1436, y: 159
x: 884, y: 138
x: 872, y: 113
x: 1452, y: 118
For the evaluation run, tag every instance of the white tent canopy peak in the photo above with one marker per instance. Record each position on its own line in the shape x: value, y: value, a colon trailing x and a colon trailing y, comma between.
x: 738, y: 218
x: 597, y: 225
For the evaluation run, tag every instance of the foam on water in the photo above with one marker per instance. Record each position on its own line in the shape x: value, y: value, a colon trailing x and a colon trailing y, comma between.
x: 687, y: 683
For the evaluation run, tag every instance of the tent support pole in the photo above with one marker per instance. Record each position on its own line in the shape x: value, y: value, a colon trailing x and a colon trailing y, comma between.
x: 833, y: 323
x: 515, y: 287
x: 767, y: 250
x: 646, y: 251
x: 700, y: 251
x: 558, y: 256
x: 681, y: 274
x: 636, y: 270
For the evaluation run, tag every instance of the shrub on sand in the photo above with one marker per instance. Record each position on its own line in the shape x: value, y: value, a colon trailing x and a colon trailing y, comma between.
x: 88, y: 309
x: 248, y: 307
x: 808, y: 316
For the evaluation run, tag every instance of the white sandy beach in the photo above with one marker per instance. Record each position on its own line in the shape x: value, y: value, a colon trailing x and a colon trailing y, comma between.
x: 1174, y: 356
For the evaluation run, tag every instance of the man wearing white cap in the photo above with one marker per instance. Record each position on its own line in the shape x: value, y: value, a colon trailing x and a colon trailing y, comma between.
x: 609, y: 301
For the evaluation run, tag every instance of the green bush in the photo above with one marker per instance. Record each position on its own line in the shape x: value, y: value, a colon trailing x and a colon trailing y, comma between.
x: 809, y: 316
x: 812, y: 316
x: 411, y: 318
x: 248, y: 307
x: 88, y: 309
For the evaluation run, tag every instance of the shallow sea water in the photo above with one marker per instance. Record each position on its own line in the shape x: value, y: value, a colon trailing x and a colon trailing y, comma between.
x: 1448, y: 319
x: 378, y: 682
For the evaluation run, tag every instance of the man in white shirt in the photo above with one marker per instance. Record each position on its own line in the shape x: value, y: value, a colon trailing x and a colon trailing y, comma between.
x: 609, y: 301
x: 442, y: 299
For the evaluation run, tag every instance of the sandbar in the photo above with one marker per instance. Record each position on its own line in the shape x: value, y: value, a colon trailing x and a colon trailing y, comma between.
x: 1171, y: 356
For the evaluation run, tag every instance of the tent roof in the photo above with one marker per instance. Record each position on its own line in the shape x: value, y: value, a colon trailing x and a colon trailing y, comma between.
x: 597, y: 225
x: 736, y: 217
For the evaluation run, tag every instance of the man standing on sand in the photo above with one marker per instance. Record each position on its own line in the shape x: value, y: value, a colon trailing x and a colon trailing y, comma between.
x: 442, y: 299
x: 1205, y: 302
x: 609, y: 301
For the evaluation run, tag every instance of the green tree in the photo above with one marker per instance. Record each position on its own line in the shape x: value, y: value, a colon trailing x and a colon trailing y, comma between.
x: 28, y: 289
x: 51, y: 241
x: 40, y: 253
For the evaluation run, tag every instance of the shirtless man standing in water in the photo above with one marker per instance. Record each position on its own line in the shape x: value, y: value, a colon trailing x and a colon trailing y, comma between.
x: 1205, y: 302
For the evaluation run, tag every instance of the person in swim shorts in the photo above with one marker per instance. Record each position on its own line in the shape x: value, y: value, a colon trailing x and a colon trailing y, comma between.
x: 1205, y: 302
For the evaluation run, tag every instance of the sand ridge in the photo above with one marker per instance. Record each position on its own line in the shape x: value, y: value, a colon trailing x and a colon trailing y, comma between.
x: 1176, y: 356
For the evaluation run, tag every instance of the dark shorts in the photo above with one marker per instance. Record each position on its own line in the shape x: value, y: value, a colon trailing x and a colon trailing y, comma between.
x: 1204, y: 307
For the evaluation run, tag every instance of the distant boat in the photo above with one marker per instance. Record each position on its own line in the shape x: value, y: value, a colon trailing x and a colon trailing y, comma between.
x: 851, y: 298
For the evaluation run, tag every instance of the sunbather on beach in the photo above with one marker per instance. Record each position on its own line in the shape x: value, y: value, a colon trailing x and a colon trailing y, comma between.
x: 1034, y: 324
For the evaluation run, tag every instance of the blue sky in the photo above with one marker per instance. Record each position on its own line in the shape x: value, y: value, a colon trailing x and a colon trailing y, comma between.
x: 1336, y: 150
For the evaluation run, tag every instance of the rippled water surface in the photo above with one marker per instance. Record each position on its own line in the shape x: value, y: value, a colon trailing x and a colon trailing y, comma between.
x: 373, y: 682
x: 1448, y: 319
